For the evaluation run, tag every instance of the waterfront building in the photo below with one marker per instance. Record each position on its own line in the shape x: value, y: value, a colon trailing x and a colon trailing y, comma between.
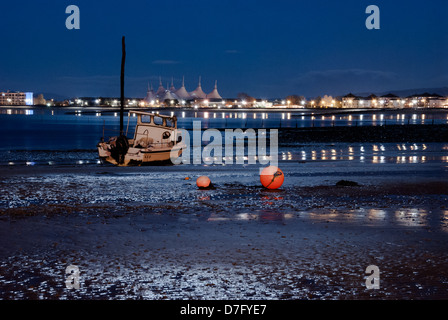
x: 15, y: 98
x: 371, y: 101
x: 181, y: 96
x: 350, y: 101
x: 427, y: 100
x: 390, y: 101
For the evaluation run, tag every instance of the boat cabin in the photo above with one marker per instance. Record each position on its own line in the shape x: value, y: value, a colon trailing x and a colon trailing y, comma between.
x: 154, y: 130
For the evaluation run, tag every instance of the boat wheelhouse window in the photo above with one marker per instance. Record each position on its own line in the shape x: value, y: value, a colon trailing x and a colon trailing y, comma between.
x: 158, y: 120
x: 169, y: 123
x: 145, y: 119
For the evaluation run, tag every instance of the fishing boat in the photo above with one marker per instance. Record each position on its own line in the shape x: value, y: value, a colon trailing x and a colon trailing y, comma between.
x: 156, y: 140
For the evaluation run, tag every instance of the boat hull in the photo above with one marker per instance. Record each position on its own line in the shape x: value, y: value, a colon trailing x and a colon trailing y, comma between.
x: 138, y: 156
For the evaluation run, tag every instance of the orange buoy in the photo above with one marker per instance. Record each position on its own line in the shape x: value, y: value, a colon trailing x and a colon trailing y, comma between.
x: 203, y: 182
x: 272, y: 177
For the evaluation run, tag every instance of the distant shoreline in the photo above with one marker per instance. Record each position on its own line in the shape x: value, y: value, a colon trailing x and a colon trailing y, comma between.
x: 316, y: 111
x: 383, y: 132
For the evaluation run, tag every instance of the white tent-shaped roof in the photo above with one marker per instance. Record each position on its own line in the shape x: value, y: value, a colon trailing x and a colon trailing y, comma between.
x: 198, y: 93
x: 172, y: 88
x: 182, y: 92
x: 168, y: 96
x: 161, y: 90
x: 150, y: 95
x: 214, y: 94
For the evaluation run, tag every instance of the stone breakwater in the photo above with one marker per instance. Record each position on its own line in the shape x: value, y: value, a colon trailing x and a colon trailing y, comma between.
x: 385, y: 133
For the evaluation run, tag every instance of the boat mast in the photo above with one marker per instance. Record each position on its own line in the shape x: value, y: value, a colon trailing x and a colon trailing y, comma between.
x: 123, y: 58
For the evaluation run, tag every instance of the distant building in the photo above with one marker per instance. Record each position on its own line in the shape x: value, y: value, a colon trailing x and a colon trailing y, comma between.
x: 427, y: 100
x: 181, y: 96
x: 390, y: 100
x: 370, y: 101
x: 40, y: 100
x: 350, y: 101
x: 14, y: 98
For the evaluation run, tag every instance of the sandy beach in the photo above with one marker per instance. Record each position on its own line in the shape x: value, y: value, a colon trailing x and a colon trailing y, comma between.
x: 150, y: 233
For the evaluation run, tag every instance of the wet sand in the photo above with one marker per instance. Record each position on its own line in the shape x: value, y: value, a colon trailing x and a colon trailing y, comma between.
x: 149, y: 233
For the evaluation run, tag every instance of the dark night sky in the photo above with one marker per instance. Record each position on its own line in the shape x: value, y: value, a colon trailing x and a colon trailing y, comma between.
x: 265, y: 48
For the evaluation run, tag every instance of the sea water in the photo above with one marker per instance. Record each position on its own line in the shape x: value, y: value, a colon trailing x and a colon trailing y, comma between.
x: 48, y: 136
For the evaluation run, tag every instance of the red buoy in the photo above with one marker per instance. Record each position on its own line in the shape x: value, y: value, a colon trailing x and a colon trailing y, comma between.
x: 272, y: 177
x: 203, y: 182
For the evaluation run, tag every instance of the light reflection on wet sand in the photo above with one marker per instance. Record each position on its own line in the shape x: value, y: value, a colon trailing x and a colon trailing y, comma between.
x: 371, y: 217
x: 262, y: 254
